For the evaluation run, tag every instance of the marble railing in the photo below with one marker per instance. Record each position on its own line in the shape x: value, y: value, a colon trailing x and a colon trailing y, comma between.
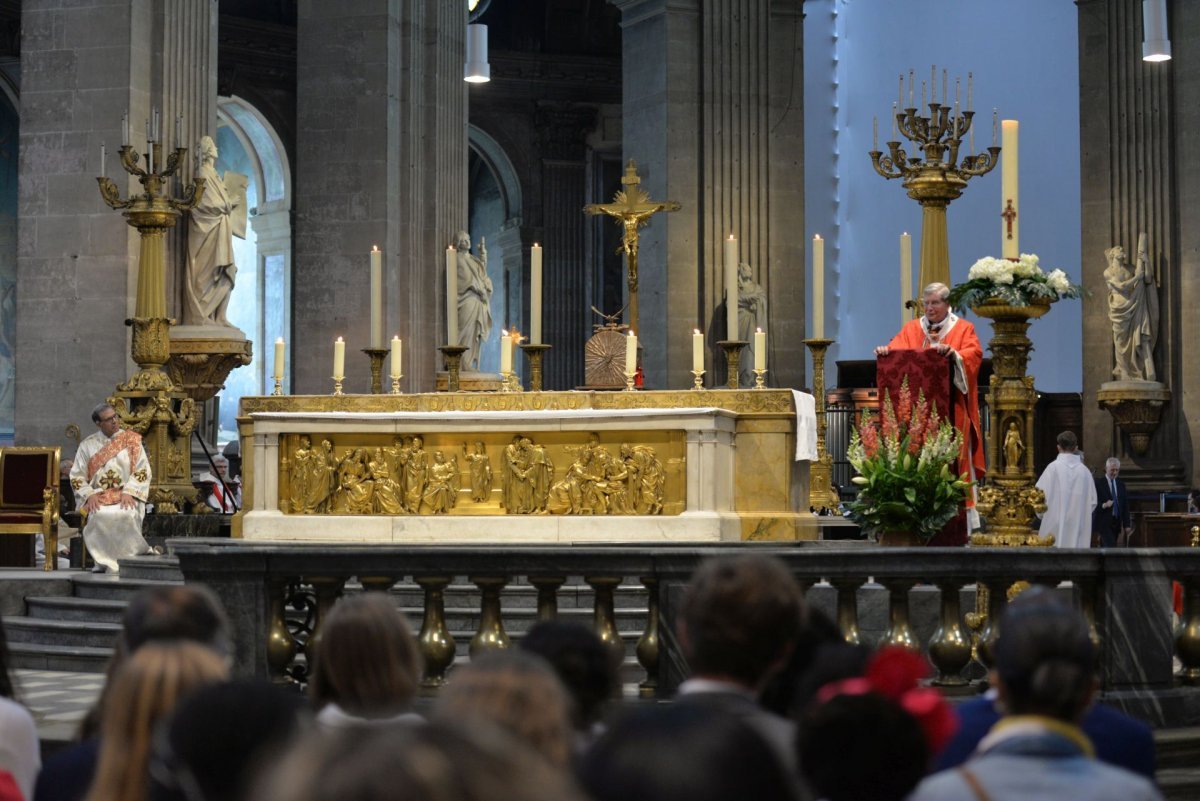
x: 1125, y: 595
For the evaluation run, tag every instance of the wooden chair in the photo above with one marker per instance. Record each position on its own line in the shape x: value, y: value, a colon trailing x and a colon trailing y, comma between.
x: 29, y: 496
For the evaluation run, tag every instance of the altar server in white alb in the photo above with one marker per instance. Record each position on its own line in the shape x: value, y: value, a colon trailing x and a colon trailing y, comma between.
x: 111, y: 481
x: 1070, y: 496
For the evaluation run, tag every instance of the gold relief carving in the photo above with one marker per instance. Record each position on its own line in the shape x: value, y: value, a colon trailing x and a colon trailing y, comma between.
x: 480, y: 468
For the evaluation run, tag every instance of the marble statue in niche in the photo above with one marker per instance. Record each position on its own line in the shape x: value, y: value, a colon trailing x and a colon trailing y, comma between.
x: 1133, y: 311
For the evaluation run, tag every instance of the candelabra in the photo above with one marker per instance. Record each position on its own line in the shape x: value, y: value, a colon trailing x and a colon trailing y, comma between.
x: 733, y: 358
x: 453, y: 354
x: 535, y: 353
x: 376, y: 355
x: 938, y: 176
x: 820, y: 476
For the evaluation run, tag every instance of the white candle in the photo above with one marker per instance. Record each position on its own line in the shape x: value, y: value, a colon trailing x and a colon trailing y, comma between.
x: 631, y: 354
x: 933, y: 84
x: 900, y: 97
x: 895, y: 113
x: 376, y: 297
x: 506, y: 352
x: 760, y: 350
x: 103, y: 160
x: 339, y: 359
x: 818, y: 288
x: 1009, y: 190
x: 535, y: 294
x: 731, y: 288
x: 451, y: 296
x: 906, y: 278
x: 874, y: 133
x: 280, y: 355
x: 125, y: 128
x: 911, y: 78
x: 397, y: 353
x: 697, y: 351
x: 970, y: 91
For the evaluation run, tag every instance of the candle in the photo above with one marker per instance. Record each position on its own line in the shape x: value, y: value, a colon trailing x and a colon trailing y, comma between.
x: 506, y: 352
x: 922, y: 94
x: 818, y: 288
x: 995, y: 123
x: 906, y: 282
x: 874, y: 133
x: 760, y: 350
x: 280, y: 355
x: 1009, y: 194
x: 125, y: 128
x: 731, y: 288
x: 178, y: 130
x: 535, y: 294
x: 911, y: 75
x: 451, y: 296
x: 339, y: 359
x: 945, y: 89
x: 895, y: 114
x: 933, y: 84
x: 900, y: 97
x: 697, y: 351
x: 376, y: 297
x: 397, y: 353
x: 970, y: 90
x: 631, y: 354
x: 103, y: 160
x: 957, y: 90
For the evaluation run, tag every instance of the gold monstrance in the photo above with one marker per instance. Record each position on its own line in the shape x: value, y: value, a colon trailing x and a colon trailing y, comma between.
x: 633, y: 208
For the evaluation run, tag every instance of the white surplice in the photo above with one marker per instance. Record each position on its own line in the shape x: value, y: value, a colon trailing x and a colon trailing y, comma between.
x: 1070, y: 499
x: 111, y: 467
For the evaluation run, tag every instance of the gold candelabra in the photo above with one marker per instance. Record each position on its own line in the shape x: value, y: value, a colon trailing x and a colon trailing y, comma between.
x: 733, y: 360
x: 697, y: 379
x: 938, y: 175
x: 535, y: 354
x: 453, y: 354
x: 376, y: 355
x: 820, y: 476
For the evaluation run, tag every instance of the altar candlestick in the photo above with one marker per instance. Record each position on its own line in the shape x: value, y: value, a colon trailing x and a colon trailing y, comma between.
x: 280, y: 355
x: 506, y: 352
x: 376, y: 297
x: 451, y: 296
x: 697, y: 351
x: 339, y: 359
x: 1009, y: 192
x: 760, y: 350
x: 906, y: 282
x: 818, y: 288
x: 535, y: 294
x: 397, y: 354
x: 631, y: 353
x: 731, y: 288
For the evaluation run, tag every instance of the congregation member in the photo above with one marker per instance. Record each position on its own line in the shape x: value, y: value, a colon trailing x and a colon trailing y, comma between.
x: 111, y: 481
x: 587, y: 667
x: 20, y: 757
x: 1070, y: 496
x: 1111, y: 520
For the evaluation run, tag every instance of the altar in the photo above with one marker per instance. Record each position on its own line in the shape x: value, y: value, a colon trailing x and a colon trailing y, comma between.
x: 524, y: 467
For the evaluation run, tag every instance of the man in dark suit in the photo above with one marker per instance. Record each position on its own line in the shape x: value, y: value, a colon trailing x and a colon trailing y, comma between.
x: 1110, y: 519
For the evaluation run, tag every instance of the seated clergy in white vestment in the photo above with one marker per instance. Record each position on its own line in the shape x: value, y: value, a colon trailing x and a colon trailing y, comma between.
x: 1070, y: 496
x: 111, y: 482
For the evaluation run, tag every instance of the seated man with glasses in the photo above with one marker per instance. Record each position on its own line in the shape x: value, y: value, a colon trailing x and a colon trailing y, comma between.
x: 111, y: 482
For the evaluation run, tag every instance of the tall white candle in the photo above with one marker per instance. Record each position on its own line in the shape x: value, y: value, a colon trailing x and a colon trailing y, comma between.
x: 906, y: 278
x: 451, y: 296
x: 376, y: 297
x: 125, y: 128
x: 631, y: 353
x: 731, y: 288
x: 506, y: 352
x: 535, y: 294
x: 697, y: 351
x: 339, y: 359
x: 1009, y: 190
x: 280, y: 356
x: 103, y: 160
x: 760, y: 350
x: 397, y: 355
x: 818, y: 288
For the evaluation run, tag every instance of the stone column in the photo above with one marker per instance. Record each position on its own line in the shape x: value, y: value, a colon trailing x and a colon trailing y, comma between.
x: 1130, y: 111
x: 726, y: 141
x: 381, y: 159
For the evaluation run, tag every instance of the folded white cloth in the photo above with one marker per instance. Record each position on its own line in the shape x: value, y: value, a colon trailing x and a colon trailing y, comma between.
x: 806, y: 426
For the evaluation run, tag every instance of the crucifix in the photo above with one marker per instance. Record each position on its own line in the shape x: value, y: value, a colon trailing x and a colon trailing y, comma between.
x: 1009, y: 214
x: 632, y: 207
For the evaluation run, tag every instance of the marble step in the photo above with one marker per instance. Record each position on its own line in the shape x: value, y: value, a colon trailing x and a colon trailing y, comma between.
x: 40, y: 656
x: 73, y: 633
x: 155, y: 568
x: 73, y: 608
x: 113, y: 586
x: 1177, y: 749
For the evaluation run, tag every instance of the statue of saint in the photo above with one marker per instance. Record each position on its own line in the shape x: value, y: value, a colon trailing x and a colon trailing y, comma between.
x: 480, y: 467
x: 1013, y: 448
x: 210, y: 264
x: 1133, y: 310
x: 474, y: 299
x: 752, y: 315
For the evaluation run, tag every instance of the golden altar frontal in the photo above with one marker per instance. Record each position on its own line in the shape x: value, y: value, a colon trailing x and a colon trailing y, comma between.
x: 537, y: 467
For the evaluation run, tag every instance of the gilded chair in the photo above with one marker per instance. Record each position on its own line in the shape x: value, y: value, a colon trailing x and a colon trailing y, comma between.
x: 29, y: 496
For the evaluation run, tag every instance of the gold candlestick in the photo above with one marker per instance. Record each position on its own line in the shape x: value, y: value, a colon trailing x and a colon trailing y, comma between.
x: 377, y: 356
x: 733, y: 358
x: 535, y: 354
x: 758, y: 378
x: 396, y: 384
x: 697, y: 379
x: 337, y: 384
x: 453, y: 354
x: 820, y: 476
x: 629, y: 381
x: 508, y: 382
x: 278, y: 387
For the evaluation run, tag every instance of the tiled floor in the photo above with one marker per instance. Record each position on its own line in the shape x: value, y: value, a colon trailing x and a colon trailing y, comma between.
x: 57, y: 699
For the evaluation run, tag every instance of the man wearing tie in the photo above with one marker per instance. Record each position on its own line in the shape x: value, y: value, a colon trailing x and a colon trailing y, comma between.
x: 1111, y: 520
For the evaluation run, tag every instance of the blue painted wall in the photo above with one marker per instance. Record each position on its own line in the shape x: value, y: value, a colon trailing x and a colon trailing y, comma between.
x: 1024, y: 55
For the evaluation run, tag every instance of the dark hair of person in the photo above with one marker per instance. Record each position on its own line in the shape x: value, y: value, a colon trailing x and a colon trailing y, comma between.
x: 816, y: 631
x: 586, y: 666
x: 1044, y: 658
x: 683, y: 752
x: 367, y: 660
x: 740, y: 616
x: 1067, y: 441
x: 861, y: 748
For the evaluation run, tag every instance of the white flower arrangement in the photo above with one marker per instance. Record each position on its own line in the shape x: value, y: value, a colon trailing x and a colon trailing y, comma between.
x: 1019, y: 282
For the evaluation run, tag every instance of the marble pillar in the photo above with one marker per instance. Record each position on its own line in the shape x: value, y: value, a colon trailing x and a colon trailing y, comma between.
x: 713, y: 116
x: 381, y: 160
x: 1132, y: 157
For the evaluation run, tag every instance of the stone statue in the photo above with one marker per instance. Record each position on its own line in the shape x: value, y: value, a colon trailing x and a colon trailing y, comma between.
x: 210, y: 264
x: 1133, y: 310
x: 474, y: 299
x: 752, y: 315
x: 1013, y: 448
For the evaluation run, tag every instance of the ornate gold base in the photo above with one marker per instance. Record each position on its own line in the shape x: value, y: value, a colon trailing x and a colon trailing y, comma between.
x: 697, y: 379
x: 733, y: 358
x: 377, y: 355
x: 165, y: 419
x: 278, y: 387
x: 820, y: 476
x: 337, y: 384
x: 759, y: 375
x: 396, y: 384
x: 453, y: 354
x: 535, y: 354
x: 629, y: 381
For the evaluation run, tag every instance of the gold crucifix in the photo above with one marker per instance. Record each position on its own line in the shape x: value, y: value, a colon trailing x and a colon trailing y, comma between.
x: 632, y: 207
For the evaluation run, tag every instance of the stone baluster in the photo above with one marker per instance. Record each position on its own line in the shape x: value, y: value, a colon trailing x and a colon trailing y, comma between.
x: 899, y: 629
x: 1087, y: 605
x: 1187, y: 642
x: 847, y: 608
x: 327, y: 590
x: 281, y: 645
x: 604, y: 616
x: 950, y: 648
x: 491, y: 634
x: 435, y: 641
x: 547, y: 595
x: 648, y: 643
x: 377, y: 583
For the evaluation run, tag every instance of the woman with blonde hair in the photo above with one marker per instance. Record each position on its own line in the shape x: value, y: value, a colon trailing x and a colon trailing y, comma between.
x: 144, y: 691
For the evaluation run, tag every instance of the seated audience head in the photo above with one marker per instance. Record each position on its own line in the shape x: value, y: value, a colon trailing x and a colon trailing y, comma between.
x: 740, y: 618
x: 143, y: 693
x: 1067, y: 442
x: 1045, y: 661
x: 367, y: 660
x: 683, y: 752
x: 586, y: 666
x: 516, y: 691
x: 183, y: 612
